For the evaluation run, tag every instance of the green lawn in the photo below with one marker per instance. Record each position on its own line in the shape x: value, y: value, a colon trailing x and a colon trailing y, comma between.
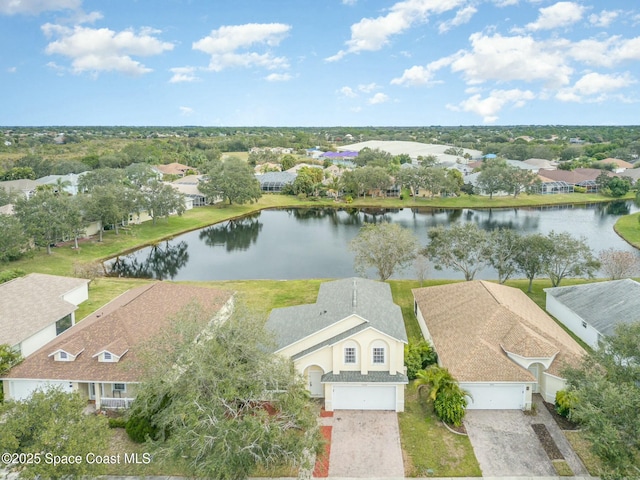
x: 431, y: 450
x: 628, y: 227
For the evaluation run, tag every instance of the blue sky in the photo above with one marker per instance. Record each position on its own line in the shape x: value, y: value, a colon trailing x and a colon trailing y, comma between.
x: 319, y: 62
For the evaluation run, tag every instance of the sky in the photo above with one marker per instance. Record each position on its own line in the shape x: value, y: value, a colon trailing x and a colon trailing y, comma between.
x: 319, y: 62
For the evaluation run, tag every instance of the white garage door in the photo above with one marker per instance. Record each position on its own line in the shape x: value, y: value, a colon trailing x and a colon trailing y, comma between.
x: 495, y: 396
x: 364, y: 397
x: 22, y: 389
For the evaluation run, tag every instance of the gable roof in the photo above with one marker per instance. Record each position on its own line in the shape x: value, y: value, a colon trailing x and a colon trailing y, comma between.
x: 576, y: 176
x: 31, y: 303
x: 616, y: 161
x: 337, y: 300
x: 603, y: 305
x: 173, y: 168
x: 122, y: 326
x: 474, y: 324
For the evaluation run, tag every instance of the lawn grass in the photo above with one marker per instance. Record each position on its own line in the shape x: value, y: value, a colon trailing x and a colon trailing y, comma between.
x: 628, y: 227
x: 582, y: 446
x: 430, y: 450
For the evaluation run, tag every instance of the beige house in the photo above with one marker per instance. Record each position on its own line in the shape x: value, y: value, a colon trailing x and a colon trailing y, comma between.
x: 496, y: 342
x: 349, y: 345
x: 100, y: 357
x: 36, y: 308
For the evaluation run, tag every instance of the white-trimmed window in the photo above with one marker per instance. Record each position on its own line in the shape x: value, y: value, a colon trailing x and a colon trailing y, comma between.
x: 107, y: 356
x: 350, y: 355
x: 63, y: 355
x: 119, y: 387
x: 378, y: 355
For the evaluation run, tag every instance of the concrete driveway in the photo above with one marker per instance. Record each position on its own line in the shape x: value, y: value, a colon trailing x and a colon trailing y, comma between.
x: 506, y: 445
x: 365, y: 444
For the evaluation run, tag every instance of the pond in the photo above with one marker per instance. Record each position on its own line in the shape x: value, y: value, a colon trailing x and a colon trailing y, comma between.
x: 313, y: 242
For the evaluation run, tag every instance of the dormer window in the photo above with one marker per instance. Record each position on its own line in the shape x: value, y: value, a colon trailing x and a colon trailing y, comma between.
x: 63, y: 356
x: 107, y: 357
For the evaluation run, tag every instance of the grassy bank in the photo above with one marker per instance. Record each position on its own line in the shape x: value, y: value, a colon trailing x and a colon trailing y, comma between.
x: 628, y: 227
x: 67, y: 261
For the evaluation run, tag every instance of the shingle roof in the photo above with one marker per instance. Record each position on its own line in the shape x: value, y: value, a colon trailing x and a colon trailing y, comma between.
x: 602, y: 305
x: 474, y: 324
x: 29, y: 304
x: 576, y: 176
x: 121, y: 326
x: 337, y: 300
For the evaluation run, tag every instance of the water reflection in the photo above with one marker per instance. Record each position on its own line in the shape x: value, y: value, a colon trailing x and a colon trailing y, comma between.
x: 161, y: 262
x: 313, y: 242
x: 237, y: 234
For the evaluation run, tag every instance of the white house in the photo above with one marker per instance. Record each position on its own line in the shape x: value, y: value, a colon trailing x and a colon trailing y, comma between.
x: 498, y: 344
x: 37, y: 308
x: 593, y: 310
x: 349, y: 345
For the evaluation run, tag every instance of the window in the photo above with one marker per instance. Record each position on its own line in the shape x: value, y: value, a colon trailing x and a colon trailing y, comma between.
x: 350, y: 355
x: 63, y: 356
x: 378, y: 355
x: 106, y: 356
x: 119, y: 387
x: 584, y: 324
x: 63, y: 324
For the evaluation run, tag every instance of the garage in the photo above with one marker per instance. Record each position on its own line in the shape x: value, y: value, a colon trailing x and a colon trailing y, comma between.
x: 364, y: 397
x: 22, y: 389
x: 495, y: 396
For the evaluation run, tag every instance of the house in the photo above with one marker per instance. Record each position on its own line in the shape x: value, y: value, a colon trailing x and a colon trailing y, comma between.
x: 24, y: 186
x: 619, y: 166
x: 593, y: 310
x: 101, y: 357
x: 349, y: 345
x: 174, y: 169
x: 271, y: 182
x: 70, y: 180
x: 579, y: 177
x: 37, y: 308
x: 498, y: 344
x: 541, y: 163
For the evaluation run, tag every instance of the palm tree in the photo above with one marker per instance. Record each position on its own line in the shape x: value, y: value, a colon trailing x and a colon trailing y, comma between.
x: 60, y: 185
x: 436, y: 379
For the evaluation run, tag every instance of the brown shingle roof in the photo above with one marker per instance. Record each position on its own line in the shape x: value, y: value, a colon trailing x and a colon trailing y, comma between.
x: 474, y: 324
x: 173, y: 169
x: 29, y: 304
x: 125, y: 323
x: 573, y: 176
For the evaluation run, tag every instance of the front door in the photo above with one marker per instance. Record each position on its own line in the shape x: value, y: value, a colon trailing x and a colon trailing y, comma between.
x: 315, y: 386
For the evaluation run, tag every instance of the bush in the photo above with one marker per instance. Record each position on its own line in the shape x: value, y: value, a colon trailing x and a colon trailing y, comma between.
x: 565, y: 403
x: 450, y: 405
x: 7, y: 275
x: 119, y: 422
x: 139, y: 428
x: 348, y: 199
x: 417, y: 356
x: 577, y: 189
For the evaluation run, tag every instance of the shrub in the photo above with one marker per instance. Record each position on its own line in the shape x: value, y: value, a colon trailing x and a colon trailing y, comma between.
x: 348, y: 199
x: 578, y: 189
x: 565, y: 402
x: 7, y: 275
x: 450, y: 405
x: 417, y: 356
x: 139, y: 428
x: 119, y: 422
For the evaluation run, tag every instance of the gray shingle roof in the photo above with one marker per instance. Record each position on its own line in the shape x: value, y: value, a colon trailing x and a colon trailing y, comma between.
x: 603, y: 305
x: 349, y: 376
x: 337, y: 300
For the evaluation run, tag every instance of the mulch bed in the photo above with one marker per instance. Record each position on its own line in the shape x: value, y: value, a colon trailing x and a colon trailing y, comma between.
x: 563, y: 422
x: 321, y: 469
x: 548, y: 443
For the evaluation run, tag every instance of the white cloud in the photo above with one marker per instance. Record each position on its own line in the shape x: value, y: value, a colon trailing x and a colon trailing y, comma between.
x: 12, y: 69
x: 96, y: 50
x: 562, y: 14
x: 463, y: 16
x: 607, y: 52
x: 604, y: 18
x: 489, y: 107
x: 224, y: 43
x: 505, y: 3
x: 186, y: 111
x: 595, y: 86
x: 34, y: 7
x: 278, y: 77
x: 509, y: 58
x: 416, y: 75
x: 349, y: 2
x: 378, y: 98
x: 371, y: 34
x: 367, y: 88
x: 348, y: 92
x: 183, y: 74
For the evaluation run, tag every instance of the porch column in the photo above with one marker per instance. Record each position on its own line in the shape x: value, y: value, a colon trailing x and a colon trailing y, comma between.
x: 97, y: 388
